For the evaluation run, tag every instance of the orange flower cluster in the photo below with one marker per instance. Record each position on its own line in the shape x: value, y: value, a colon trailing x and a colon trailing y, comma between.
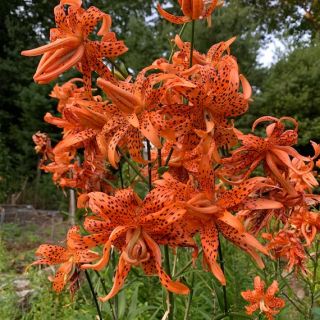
x: 265, y: 301
x: 184, y: 108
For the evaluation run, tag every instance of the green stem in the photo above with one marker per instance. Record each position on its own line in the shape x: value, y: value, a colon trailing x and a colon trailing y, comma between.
x: 94, y: 295
x: 170, y: 294
x: 181, y: 271
x: 190, y: 65
x: 314, y: 280
x: 120, y: 174
x: 193, y: 23
x: 116, y: 301
x: 103, y: 284
x: 169, y: 157
x: 175, y: 46
x: 149, y: 165
x: 132, y: 165
x: 159, y: 158
x: 293, y: 303
x: 189, y: 297
x: 225, y: 298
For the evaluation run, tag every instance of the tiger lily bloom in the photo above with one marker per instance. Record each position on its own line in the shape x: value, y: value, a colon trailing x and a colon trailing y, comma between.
x: 192, y: 10
x: 287, y: 245
x: 136, y: 228
x: 304, y: 181
x: 69, y: 258
x: 307, y: 222
x: 213, y: 56
x: 210, y: 218
x: 210, y: 105
x: 266, y: 302
x: 274, y: 150
x: 218, y: 92
x: 70, y: 45
x: 67, y: 92
x: 134, y: 113
x: 43, y: 146
x: 83, y: 122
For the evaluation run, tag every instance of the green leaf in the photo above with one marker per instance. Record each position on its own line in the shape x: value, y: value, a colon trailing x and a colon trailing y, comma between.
x: 141, y: 189
x: 316, y: 311
x: 163, y: 169
x: 122, y: 304
x: 219, y: 293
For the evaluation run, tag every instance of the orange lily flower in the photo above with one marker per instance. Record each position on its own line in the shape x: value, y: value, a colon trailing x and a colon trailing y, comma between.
x: 136, y: 228
x: 274, y: 150
x: 306, y: 222
x: 265, y: 301
x: 305, y: 181
x: 192, y: 10
x: 43, y: 146
x: 82, y: 121
x: 133, y: 114
x: 130, y: 120
x: 69, y: 258
x: 181, y: 59
x: 211, y: 217
x: 70, y: 45
x: 67, y: 93
x: 287, y: 245
x: 88, y: 176
x: 212, y: 98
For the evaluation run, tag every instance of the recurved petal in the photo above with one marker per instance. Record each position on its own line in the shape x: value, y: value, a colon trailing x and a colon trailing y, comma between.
x: 71, y: 42
x: 115, y: 234
x: 172, y: 18
x: 210, y: 243
x: 275, y: 302
x: 249, y: 296
x: 252, y: 308
x: 172, y: 286
x: 62, y: 276
x: 53, y: 253
x: 119, y: 279
x: 272, y: 290
x: 73, y: 139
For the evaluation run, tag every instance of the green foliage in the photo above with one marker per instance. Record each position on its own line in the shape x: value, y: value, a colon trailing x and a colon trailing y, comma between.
x: 291, y: 89
x: 287, y: 17
x: 142, y: 297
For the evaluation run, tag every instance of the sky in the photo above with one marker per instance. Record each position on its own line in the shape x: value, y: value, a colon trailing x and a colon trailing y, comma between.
x: 268, y: 54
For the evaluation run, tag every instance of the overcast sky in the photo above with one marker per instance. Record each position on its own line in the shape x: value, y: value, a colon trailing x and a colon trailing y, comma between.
x: 268, y: 55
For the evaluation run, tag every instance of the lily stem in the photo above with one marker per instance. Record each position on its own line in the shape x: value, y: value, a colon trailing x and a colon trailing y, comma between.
x: 314, y: 280
x: 94, y: 295
x: 132, y: 165
x: 190, y: 65
x: 103, y: 284
x: 293, y: 303
x: 181, y: 271
x: 116, y: 301
x: 169, y: 157
x: 193, y: 23
x: 225, y: 298
x: 189, y: 297
x: 175, y: 46
x: 168, y: 271
x: 120, y: 174
x: 149, y: 165
x: 159, y: 158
